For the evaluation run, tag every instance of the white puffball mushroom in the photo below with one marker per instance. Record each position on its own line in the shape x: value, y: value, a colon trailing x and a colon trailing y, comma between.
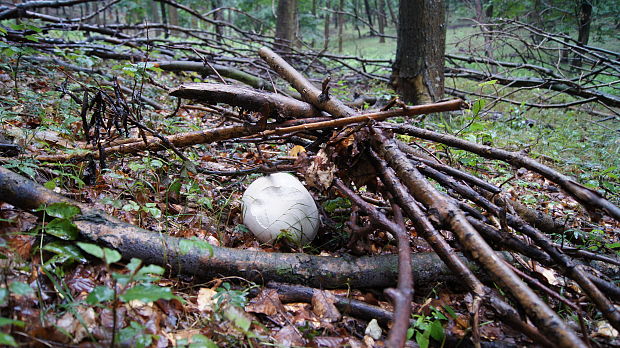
x: 279, y: 205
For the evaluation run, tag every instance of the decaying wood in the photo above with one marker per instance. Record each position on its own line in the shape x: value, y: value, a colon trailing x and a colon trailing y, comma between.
x: 269, y: 104
x: 212, y: 68
x: 261, y: 267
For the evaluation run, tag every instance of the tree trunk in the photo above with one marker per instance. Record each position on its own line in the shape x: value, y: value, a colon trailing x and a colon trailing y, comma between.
x: 417, y: 73
x: 164, y: 19
x: 340, y: 25
x: 155, y: 17
x: 285, y: 25
x: 382, y: 20
x: 369, y: 15
x: 584, y: 20
x: 326, y: 26
x: 217, y: 16
x: 174, y: 15
x: 355, y: 22
x: 392, y: 15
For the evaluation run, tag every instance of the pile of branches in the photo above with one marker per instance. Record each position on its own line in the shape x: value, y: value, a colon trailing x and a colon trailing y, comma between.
x: 347, y: 151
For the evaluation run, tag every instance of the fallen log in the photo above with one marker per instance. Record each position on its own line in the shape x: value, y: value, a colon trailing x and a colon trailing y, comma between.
x: 156, y: 248
x: 269, y: 104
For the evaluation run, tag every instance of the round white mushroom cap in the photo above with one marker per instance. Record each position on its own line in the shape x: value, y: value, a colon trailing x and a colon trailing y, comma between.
x: 279, y: 205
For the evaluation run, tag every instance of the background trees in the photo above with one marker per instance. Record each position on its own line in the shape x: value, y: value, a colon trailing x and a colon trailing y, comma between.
x: 417, y: 72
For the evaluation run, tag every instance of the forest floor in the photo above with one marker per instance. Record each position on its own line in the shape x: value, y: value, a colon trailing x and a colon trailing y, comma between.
x: 58, y: 294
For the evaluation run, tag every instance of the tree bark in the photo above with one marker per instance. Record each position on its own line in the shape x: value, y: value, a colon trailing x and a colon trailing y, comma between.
x: 326, y: 26
x: 340, y: 25
x: 286, y: 25
x: 368, y: 14
x: 382, y: 20
x: 156, y: 248
x: 417, y: 73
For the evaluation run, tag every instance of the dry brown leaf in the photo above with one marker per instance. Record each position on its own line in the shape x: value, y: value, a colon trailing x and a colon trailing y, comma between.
x: 289, y: 336
x: 323, y: 305
x: 205, y: 299
x: 296, y: 150
x: 267, y: 302
x: 321, y: 171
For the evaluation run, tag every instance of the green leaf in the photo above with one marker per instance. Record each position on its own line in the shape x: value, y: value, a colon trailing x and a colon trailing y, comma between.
x: 175, y: 187
x: 65, y: 249
x: 92, y: 249
x: 62, y: 210
x: 20, y: 288
x: 478, y: 105
x: 99, y: 295
x: 422, y: 339
x: 235, y: 315
x: 201, y: 341
x: 410, y: 332
x: 487, y: 83
x: 62, y: 228
x: 147, y: 293
x: 186, y: 245
x: 131, y: 206
x: 450, y: 311
x: 7, y: 321
x: 4, y: 294
x: 111, y: 255
x: 32, y: 38
x: 151, y: 269
x: 152, y: 209
x: 133, y: 264
x: 7, y: 340
x: 436, y: 330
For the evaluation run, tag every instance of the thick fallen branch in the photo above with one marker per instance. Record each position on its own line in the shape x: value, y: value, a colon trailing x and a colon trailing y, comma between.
x: 209, y: 69
x: 269, y: 104
x: 154, y: 144
x: 156, y: 248
x: 313, y: 95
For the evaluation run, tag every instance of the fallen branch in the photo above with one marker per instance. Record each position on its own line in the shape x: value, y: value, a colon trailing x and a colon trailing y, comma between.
x: 269, y: 104
x: 156, y: 248
x: 313, y: 95
x: 209, y: 69
x: 544, y: 317
x: 154, y: 144
x: 582, y: 194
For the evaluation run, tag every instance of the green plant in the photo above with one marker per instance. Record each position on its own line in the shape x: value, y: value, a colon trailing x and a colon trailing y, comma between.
x: 136, y: 283
x: 429, y: 326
